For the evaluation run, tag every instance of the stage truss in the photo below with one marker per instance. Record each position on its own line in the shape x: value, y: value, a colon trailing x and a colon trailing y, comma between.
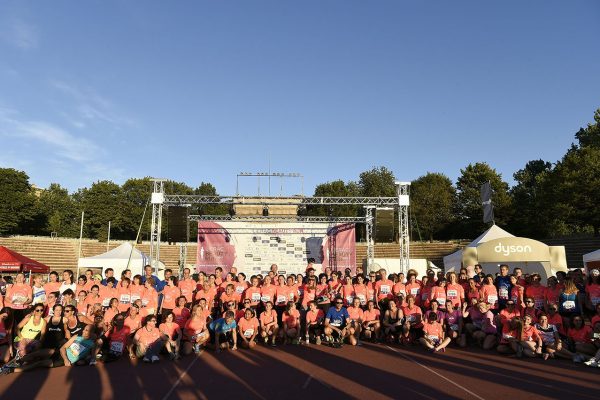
x: 160, y: 200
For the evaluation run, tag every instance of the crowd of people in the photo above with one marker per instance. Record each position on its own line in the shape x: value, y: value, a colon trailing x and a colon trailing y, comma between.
x: 90, y: 318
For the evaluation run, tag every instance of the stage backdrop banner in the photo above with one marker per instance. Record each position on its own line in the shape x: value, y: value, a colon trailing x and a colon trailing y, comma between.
x: 252, y: 247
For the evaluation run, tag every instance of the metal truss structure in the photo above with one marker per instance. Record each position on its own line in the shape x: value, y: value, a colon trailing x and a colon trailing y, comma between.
x: 160, y: 199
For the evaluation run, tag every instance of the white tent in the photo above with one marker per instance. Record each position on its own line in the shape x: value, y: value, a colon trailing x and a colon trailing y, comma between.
x: 117, y: 259
x: 453, y: 262
x: 592, y: 260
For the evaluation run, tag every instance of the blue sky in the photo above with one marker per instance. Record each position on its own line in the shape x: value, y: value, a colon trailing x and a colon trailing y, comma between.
x: 199, y: 91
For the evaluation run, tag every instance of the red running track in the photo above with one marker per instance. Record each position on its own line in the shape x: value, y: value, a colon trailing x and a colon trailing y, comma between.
x: 368, y: 372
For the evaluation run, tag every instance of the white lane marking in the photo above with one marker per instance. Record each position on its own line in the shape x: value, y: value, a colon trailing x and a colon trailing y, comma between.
x: 184, y: 373
x: 436, y: 373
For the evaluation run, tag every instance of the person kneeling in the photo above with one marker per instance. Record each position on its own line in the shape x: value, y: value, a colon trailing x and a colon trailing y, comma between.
x: 336, y: 322
x: 248, y: 329
x: 223, y: 332
x: 148, y: 341
x: 433, y: 334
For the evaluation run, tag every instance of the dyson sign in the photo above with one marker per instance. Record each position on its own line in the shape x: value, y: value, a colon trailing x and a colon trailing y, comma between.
x: 512, y: 249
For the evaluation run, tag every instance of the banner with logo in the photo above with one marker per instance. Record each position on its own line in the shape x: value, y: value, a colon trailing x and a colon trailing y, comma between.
x: 252, y: 247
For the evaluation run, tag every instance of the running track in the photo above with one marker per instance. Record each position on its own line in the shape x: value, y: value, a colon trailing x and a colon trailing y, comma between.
x: 368, y: 372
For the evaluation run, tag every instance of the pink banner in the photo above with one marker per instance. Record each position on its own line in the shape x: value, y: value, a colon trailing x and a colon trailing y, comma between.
x: 214, y: 248
x: 343, y: 239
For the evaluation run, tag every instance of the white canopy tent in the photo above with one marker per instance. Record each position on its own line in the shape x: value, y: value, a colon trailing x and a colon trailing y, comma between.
x: 117, y: 259
x: 454, y: 261
x: 592, y: 260
x: 496, y: 246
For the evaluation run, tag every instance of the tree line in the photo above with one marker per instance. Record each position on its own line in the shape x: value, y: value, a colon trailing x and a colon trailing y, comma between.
x: 548, y: 199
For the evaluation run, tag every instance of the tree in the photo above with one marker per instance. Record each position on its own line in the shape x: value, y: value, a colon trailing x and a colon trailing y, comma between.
x: 468, y: 207
x: 58, y: 212
x: 208, y: 189
x: 136, y: 197
x: 590, y: 136
x: 17, y: 207
x: 529, y: 199
x: 377, y: 182
x: 335, y: 189
x: 103, y: 202
x: 432, y: 202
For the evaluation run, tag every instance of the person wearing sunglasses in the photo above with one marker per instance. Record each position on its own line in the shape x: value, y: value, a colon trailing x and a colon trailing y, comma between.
x: 31, y: 331
x: 530, y: 309
x: 148, y: 341
x: 336, y: 322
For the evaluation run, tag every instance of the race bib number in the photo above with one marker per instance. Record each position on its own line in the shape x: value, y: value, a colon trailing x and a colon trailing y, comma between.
x: 239, y: 289
x: 414, y: 291
x: 150, y: 311
x: 18, y: 299
x: 453, y: 294
x: 569, y: 305
x: 539, y: 303
x: 265, y: 299
x: 249, y: 332
x: 145, y: 302
x: 362, y: 298
x: 105, y: 302
x: 433, y: 338
x: 291, y: 296
x: 349, y: 299
x: 492, y: 299
x: 454, y: 327
x: 281, y: 299
x: 507, y: 336
x: 385, y: 289
x: 337, y: 323
x: 76, y: 349
x: 503, y: 293
x: 255, y: 296
x: 116, y: 347
x: 134, y: 297
x: 125, y: 299
x: 441, y: 301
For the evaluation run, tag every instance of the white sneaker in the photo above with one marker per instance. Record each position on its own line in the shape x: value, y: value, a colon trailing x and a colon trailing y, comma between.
x: 146, y: 360
x: 93, y: 361
x: 592, y: 362
x: 155, y: 359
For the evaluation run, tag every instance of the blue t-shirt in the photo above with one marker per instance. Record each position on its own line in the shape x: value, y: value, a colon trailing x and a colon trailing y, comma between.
x: 79, y: 349
x: 221, y: 326
x: 158, y: 284
x: 503, y: 285
x: 337, y: 318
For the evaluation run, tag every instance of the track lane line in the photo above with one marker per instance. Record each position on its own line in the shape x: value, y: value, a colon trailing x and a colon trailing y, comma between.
x: 436, y: 373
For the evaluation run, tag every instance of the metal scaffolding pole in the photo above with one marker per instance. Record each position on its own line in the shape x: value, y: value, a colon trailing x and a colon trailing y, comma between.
x: 369, y: 234
x: 157, y: 200
x: 404, y: 224
x: 182, y: 258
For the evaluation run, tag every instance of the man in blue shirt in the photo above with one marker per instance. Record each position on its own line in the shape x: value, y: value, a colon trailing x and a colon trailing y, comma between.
x: 148, y: 274
x: 336, y: 322
x: 108, y: 273
x: 503, y: 286
x: 223, y: 332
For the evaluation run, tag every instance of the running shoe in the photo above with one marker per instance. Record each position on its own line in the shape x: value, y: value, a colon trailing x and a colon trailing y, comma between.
x: 93, y: 361
x: 592, y: 362
x: 146, y: 360
x: 155, y: 359
x: 318, y: 340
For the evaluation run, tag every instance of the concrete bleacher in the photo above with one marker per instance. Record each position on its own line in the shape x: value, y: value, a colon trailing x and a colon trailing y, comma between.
x: 433, y: 252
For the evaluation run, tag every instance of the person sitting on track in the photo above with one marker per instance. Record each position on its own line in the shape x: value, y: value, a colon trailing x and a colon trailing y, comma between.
x: 31, y: 331
x: 434, y: 337
x: 531, y: 341
x: 371, y: 326
x: 511, y: 336
x: 291, y: 324
x: 414, y: 318
x: 551, y: 342
x: 148, y: 341
x: 314, y: 322
x: 223, y: 332
x: 78, y: 349
x: 454, y: 324
x: 393, y: 322
x: 336, y: 323
x: 482, y: 327
x: 195, y: 332
x: 248, y: 329
x: 268, y: 324
x: 113, y: 343
x: 172, y: 334
x: 356, y: 317
x: 6, y: 338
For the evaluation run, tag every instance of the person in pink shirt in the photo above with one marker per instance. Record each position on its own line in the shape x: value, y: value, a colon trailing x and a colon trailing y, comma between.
x: 170, y: 294
x: 536, y: 291
x: 248, y: 329
x: 454, y: 324
x: 291, y: 324
x: 171, y: 332
x: 348, y: 292
x: 438, y: 293
x: 371, y: 326
x: 187, y: 285
x: 531, y: 341
x: 181, y: 312
x: 356, y: 317
x: 454, y: 291
x: 313, y: 323
x: 434, y: 337
x: 414, y: 318
x: 489, y: 292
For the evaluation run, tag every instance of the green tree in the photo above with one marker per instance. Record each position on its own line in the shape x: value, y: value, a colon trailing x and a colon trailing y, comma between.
x: 432, y: 203
x: 208, y: 189
x: 529, y: 199
x: 136, y: 196
x: 468, y: 206
x: 103, y: 202
x: 58, y: 211
x: 335, y: 189
x: 590, y: 135
x: 17, y: 207
x: 377, y: 182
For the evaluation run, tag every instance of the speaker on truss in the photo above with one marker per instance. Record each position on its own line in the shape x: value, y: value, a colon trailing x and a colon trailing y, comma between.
x: 384, y: 225
x: 177, y: 224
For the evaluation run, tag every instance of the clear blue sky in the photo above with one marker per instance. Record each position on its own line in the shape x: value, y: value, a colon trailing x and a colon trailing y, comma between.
x: 201, y: 90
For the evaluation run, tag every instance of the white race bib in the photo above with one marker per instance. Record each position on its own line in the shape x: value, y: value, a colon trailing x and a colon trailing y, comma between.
x: 503, y: 293
x: 539, y: 303
x: 135, y: 297
x: 105, y: 302
x: 414, y: 291
x: 441, y: 301
x: 125, y: 299
x: 255, y: 296
x: 492, y: 299
x: 239, y: 289
x: 362, y: 298
x: 116, y: 347
x: 249, y: 332
x: 384, y: 289
x: 76, y: 348
x: 265, y: 299
x: 595, y: 300
x: 569, y: 305
x: 349, y: 299
x: 281, y: 299
x: 433, y: 338
x: 454, y: 327
x: 453, y: 294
